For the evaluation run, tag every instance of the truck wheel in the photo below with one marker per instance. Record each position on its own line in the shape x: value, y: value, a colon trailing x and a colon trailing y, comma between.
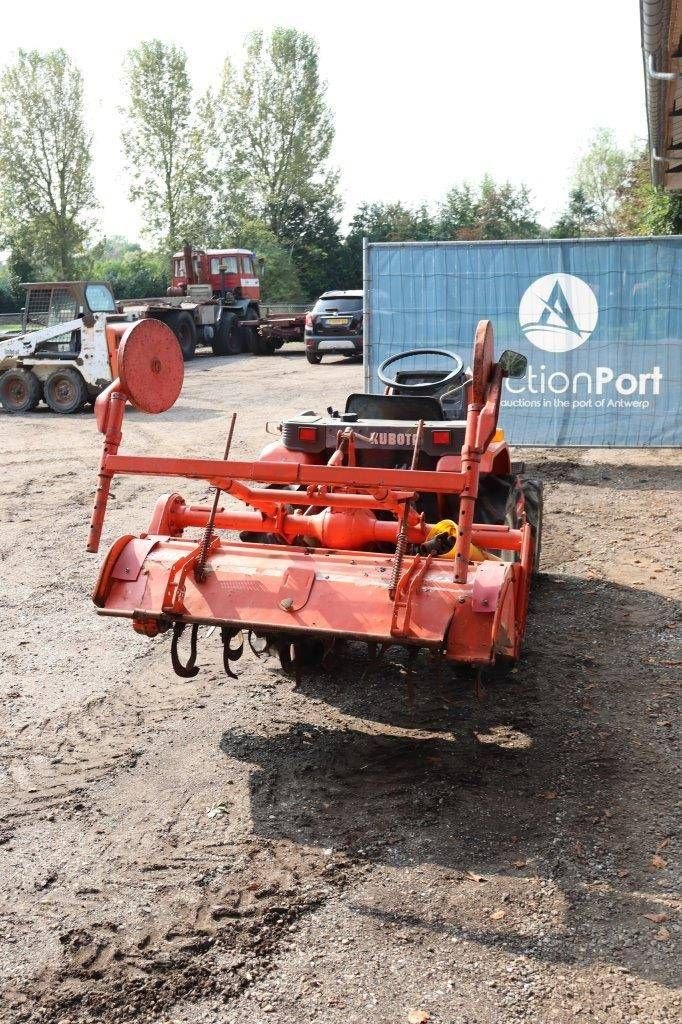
x: 251, y: 339
x: 313, y: 357
x: 20, y: 390
x: 65, y: 391
x: 184, y: 329
x: 227, y: 338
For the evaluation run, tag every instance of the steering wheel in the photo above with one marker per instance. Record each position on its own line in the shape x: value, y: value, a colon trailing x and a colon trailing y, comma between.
x: 426, y: 385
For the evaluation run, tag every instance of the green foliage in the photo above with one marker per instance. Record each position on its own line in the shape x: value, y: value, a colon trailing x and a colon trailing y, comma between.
x: 133, y: 275
x: 579, y: 218
x: 46, y: 186
x: 644, y: 209
x: 164, y: 146
x: 457, y: 212
x: 494, y: 210
x: 383, y: 222
x: 601, y: 175
x: 279, y: 279
x: 612, y: 194
x: 274, y: 132
x: 318, y: 253
x: 9, y: 300
x: 467, y: 213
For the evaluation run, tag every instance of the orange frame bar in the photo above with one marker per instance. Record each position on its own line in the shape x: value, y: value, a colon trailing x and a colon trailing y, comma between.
x: 218, y: 472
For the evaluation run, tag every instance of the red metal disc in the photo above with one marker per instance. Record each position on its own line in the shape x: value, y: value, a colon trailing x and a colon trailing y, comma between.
x: 150, y: 365
x: 483, y: 359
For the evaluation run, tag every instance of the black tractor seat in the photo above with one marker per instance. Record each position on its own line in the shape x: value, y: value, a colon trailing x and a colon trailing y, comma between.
x: 411, y: 408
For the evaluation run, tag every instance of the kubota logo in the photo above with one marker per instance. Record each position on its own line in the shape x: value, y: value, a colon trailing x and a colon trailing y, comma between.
x: 558, y: 312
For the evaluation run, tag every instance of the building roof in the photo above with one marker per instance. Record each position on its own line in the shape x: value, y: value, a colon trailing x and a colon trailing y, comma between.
x: 661, y: 26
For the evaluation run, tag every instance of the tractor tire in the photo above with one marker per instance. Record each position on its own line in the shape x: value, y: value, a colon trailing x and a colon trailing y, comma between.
x: 526, y: 493
x: 227, y: 339
x: 314, y: 358
x: 20, y: 390
x: 65, y: 391
x: 183, y: 327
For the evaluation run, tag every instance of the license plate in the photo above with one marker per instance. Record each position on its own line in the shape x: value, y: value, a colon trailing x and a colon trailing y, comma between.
x: 337, y: 321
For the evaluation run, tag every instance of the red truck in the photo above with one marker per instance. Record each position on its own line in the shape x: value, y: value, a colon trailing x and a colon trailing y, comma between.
x: 214, y: 299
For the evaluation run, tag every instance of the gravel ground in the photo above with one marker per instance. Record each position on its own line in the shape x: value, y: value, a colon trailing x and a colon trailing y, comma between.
x: 457, y: 861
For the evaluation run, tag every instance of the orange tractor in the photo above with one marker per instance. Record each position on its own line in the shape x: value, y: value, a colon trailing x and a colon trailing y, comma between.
x: 397, y: 522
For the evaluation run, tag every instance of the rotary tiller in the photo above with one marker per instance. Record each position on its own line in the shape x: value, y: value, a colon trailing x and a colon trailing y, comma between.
x: 398, y: 522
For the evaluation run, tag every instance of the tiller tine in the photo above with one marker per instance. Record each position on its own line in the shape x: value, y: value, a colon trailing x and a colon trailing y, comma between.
x: 189, y: 670
x: 231, y: 653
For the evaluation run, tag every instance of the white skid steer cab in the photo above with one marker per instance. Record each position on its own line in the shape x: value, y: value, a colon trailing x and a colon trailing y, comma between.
x: 66, y: 351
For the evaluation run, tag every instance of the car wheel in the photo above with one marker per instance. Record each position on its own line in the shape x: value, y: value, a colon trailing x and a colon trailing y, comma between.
x: 313, y: 357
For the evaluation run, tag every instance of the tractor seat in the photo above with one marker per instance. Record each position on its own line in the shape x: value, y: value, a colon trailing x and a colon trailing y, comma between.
x: 409, y: 408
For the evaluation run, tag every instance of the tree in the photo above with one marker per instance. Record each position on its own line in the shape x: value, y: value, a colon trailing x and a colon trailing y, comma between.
x: 644, y: 209
x: 275, y: 132
x: 458, y: 212
x: 493, y: 210
x: 9, y: 301
x: 579, y: 217
x: 384, y: 222
x: 164, y: 147
x: 601, y: 174
x: 46, y: 187
x: 133, y: 274
x: 280, y: 280
x: 318, y: 252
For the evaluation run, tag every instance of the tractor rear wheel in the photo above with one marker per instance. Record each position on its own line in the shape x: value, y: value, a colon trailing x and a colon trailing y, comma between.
x: 65, y: 391
x: 526, y: 495
x: 20, y: 390
x: 183, y: 327
x: 227, y: 339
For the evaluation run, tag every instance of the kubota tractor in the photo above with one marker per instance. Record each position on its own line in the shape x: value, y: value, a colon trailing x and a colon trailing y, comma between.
x: 400, y: 521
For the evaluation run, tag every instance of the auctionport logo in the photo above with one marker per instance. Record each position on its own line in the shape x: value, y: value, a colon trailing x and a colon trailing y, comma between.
x: 558, y: 312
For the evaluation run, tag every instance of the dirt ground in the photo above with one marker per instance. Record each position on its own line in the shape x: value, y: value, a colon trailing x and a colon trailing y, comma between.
x: 458, y: 861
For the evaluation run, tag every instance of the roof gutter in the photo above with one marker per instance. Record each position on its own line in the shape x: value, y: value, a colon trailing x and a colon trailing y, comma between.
x: 655, y: 22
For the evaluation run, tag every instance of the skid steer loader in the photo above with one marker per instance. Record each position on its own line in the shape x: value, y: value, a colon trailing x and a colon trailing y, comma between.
x: 65, y: 353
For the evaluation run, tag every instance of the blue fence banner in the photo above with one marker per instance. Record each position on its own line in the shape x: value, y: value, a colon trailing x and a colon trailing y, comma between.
x: 600, y: 321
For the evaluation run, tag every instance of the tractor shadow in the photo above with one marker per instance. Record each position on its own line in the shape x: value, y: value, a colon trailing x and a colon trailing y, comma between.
x: 561, y: 765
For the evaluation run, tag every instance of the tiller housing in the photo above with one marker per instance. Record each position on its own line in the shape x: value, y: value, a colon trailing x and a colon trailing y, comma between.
x: 333, y: 546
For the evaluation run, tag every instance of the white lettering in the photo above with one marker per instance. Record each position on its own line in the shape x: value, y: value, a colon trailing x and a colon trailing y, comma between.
x: 537, y: 382
x: 588, y: 382
x: 626, y: 384
x: 604, y: 376
x: 554, y: 388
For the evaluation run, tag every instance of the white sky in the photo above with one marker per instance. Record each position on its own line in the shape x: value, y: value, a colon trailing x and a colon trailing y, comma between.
x: 425, y: 95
